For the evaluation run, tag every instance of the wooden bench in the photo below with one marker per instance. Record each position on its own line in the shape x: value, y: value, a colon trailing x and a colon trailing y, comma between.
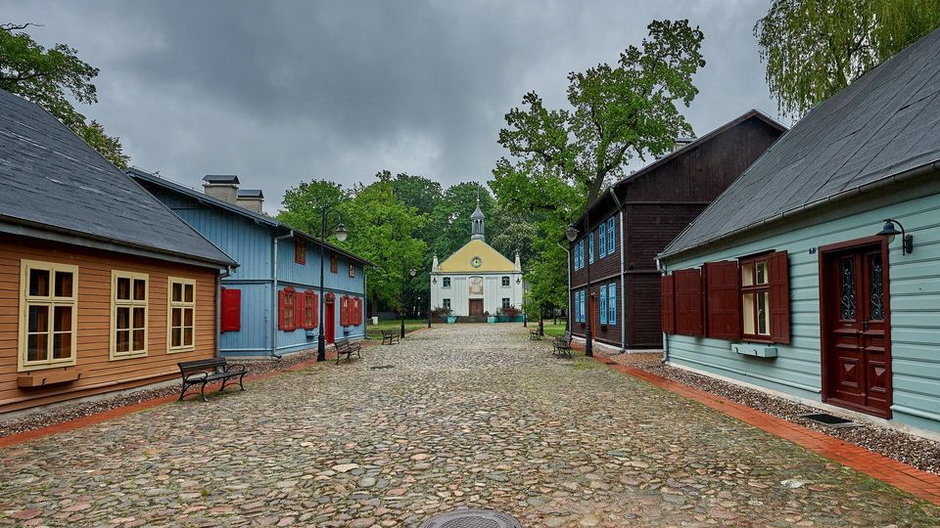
x: 204, y: 371
x: 345, y: 347
x: 389, y: 337
x: 562, y: 345
x: 536, y: 334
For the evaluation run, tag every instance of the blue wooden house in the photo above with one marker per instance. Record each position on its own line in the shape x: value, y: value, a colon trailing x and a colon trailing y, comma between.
x: 816, y: 274
x: 270, y: 306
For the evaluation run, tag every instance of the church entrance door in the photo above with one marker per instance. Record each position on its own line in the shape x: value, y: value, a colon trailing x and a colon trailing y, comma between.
x: 476, y: 307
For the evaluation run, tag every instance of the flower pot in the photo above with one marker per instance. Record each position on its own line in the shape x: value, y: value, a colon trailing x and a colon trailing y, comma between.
x: 491, y: 319
x: 451, y: 319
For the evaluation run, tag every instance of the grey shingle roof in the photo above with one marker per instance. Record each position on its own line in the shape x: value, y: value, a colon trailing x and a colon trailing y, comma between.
x: 250, y: 193
x: 883, y: 124
x: 53, y: 181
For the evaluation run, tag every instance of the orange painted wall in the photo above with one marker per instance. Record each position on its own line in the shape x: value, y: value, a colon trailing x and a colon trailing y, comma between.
x: 94, y: 305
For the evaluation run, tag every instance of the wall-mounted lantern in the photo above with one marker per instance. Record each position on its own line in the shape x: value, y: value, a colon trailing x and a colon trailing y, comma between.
x: 890, y: 230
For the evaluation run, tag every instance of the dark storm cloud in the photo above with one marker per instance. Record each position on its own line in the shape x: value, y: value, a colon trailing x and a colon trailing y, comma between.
x: 282, y: 91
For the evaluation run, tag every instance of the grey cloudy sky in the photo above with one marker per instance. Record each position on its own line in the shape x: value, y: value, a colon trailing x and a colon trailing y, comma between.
x: 279, y: 92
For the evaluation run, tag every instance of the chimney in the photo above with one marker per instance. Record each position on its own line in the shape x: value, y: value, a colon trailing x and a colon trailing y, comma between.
x: 221, y: 186
x: 251, y: 199
x: 682, y: 142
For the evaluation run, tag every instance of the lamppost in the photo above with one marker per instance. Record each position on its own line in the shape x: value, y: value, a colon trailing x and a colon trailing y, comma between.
x: 340, y: 233
x: 571, y: 233
x: 411, y: 272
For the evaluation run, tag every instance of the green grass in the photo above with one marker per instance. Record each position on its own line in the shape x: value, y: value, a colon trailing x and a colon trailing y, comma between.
x: 374, y: 331
x: 553, y: 330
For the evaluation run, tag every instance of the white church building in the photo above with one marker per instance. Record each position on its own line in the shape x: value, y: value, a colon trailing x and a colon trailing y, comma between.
x: 476, y: 278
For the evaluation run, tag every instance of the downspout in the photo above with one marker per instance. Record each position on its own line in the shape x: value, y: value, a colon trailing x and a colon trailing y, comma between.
x: 661, y: 268
x: 623, y: 280
x: 274, y: 353
x: 365, y: 299
x: 218, y: 310
x: 568, y: 315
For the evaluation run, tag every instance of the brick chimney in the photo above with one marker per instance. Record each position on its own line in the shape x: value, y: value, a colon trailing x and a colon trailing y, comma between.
x: 221, y: 186
x: 251, y: 199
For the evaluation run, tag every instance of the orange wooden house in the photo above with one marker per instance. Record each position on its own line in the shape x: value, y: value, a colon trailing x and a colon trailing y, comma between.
x: 102, y: 287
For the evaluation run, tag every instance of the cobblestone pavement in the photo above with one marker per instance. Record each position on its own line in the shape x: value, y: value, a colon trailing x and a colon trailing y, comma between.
x: 464, y: 416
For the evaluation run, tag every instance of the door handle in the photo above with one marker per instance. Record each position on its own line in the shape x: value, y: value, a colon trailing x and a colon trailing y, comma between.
x: 864, y: 326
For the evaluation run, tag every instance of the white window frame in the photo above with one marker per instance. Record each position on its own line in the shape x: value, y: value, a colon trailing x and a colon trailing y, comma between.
x: 506, y: 281
x: 51, y: 301
x: 445, y: 282
x: 445, y: 303
x: 184, y: 305
x: 130, y: 304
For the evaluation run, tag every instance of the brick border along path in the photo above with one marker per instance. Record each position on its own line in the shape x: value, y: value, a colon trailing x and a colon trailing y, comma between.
x: 468, y: 415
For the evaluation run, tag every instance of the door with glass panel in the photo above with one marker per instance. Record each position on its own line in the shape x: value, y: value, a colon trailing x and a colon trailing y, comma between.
x: 856, y: 350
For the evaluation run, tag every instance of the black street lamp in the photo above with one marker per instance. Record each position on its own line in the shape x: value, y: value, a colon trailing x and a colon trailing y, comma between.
x: 411, y: 272
x: 571, y: 233
x: 340, y: 233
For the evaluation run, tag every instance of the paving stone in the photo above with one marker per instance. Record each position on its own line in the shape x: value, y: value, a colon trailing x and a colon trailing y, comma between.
x: 470, y: 416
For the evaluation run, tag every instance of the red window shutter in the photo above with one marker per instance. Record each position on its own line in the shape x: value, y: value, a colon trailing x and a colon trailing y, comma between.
x: 357, y: 311
x: 300, y: 252
x: 298, y: 321
x: 668, y: 300
x: 231, y: 310
x: 723, y: 299
x: 779, y: 297
x: 689, y: 315
x: 281, y: 310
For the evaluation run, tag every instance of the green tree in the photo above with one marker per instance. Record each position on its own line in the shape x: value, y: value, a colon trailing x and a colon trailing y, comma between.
x: 302, y: 206
x: 448, y: 227
x: 48, y: 78
x: 413, y: 191
x: 380, y: 230
x: 617, y: 112
x: 815, y: 48
x: 545, y: 202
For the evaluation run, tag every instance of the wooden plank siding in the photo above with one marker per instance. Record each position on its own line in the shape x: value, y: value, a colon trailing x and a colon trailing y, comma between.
x: 100, y: 374
x: 657, y: 204
x: 913, y: 297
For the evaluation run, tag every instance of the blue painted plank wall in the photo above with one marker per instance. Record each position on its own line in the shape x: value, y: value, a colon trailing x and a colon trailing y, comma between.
x: 914, y: 301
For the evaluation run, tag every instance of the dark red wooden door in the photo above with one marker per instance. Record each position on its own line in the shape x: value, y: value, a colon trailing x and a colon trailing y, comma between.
x: 329, y: 319
x: 857, y: 353
x: 476, y: 307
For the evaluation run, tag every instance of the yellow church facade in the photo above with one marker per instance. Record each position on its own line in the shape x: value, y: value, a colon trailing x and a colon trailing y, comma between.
x: 476, y: 279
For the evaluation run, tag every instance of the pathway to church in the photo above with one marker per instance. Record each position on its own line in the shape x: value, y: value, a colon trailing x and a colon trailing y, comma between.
x: 462, y: 415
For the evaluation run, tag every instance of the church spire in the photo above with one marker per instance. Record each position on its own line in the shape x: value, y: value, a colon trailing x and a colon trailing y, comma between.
x: 476, y: 221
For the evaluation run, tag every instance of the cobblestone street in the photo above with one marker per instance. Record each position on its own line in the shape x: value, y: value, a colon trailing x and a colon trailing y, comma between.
x: 462, y: 415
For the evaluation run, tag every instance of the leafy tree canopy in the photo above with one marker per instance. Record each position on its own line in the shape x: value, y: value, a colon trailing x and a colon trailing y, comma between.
x: 815, y: 48
x: 617, y: 112
x: 303, y: 205
x: 413, y: 191
x: 48, y: 78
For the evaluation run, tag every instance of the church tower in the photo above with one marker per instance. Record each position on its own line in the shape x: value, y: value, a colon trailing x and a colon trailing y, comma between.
x: 476, y: 219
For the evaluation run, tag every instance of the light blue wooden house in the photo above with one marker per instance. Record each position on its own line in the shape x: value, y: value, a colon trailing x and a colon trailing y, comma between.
x: 816, y: 274
x: 271, y: 304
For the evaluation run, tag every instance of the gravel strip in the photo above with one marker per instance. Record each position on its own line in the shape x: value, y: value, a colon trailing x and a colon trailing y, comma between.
x: 916, y: 451
x: 79, y: 409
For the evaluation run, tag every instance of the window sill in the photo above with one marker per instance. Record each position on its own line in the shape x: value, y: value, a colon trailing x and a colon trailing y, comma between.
x: 122, y: 356
x: 182, y: 349
x: 44, y: 366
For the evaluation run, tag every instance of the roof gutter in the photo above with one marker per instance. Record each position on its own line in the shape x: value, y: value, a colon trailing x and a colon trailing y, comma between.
x: 900, y: 177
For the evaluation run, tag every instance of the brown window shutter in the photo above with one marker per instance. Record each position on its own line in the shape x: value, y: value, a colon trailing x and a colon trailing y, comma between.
x: 690, y: 319
x: 668, y: 303
x: 779, y: 297
x: 723, y: 296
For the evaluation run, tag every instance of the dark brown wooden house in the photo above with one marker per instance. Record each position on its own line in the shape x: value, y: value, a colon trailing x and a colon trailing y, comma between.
x: 643, y: 213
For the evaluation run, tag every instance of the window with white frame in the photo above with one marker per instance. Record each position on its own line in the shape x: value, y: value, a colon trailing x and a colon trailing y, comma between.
x: 505, y: 302
x: 181, y: 327
x: 128, y: 314
x: 446, y: 303
x: 505, y: 281
x: 446, y: 282
x: 48, y: 314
